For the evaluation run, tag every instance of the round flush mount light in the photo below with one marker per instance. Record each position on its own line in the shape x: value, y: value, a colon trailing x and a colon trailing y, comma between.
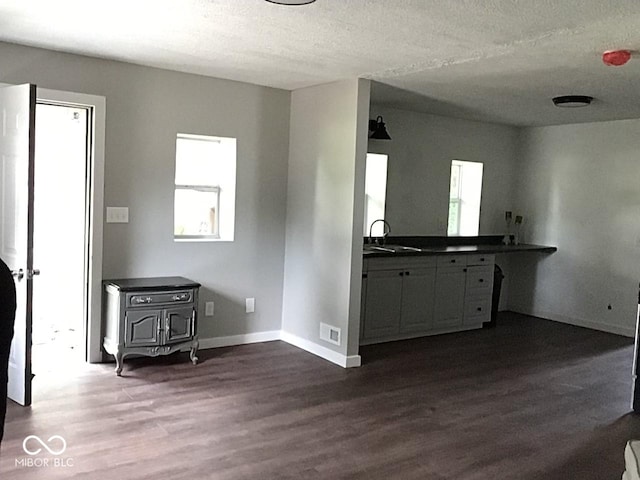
x: 572, y: 101
x: 291, y: 2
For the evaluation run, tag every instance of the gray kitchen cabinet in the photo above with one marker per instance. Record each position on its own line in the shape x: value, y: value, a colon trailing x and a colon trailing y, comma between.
x: 383, y: 304
x: 150, y: 316
x: 411, y: 296
x: 418, y: 287
x: 450, y: 295
x: 478, y: 291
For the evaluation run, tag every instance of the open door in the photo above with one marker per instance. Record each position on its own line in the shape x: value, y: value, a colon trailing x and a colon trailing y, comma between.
x: 17, y: 148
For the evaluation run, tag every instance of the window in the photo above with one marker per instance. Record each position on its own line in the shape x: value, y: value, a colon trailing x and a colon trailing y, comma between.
x: 205, y: 188
x: 465, y: 191
x: 375, y: 189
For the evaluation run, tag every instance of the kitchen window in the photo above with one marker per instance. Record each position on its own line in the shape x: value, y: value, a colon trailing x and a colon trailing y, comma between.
x: 465, y: 192
x: 375, y: 189
x: 205, y: 184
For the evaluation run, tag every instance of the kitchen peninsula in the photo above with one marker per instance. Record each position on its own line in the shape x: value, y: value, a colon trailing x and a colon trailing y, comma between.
x: 418, y: 286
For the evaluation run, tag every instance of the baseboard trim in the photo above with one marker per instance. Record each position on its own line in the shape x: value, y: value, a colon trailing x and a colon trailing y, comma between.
x: 578, y: 322
x: 232, y: 340
x: 332, y: 356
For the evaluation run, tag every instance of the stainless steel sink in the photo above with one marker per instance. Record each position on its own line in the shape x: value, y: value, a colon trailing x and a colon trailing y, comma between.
x: 390, y: 248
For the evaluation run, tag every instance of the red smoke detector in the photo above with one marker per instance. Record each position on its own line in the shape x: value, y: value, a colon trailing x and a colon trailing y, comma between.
x: 616, y: 58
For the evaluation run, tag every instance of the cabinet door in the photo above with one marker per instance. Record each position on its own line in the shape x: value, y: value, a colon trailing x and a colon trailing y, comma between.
x: 418, y: 294
x: 178, y: 324
x: 142, y: 327
x: 363, y: 304
x: 382, y: 309
x: 449, y: 302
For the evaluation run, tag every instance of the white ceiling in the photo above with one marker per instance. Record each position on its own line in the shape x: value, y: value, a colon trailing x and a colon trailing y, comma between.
x: 492, y: 60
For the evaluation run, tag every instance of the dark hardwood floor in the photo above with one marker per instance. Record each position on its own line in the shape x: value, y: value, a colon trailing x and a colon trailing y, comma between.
x: 530, y: 399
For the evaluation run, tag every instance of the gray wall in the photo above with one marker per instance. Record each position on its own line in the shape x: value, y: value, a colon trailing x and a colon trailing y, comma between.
x: 323, y: 260
x: 419, y: 169
x: 146, y: 107
x: 579, y: 190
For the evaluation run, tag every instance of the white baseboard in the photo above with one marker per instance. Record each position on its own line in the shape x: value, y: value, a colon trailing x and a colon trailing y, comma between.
x: 578, y: 322
x: 323, y: 352
x: 258, y: 337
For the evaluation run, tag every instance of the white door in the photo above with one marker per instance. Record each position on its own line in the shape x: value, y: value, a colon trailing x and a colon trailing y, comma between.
x: 17, y: 148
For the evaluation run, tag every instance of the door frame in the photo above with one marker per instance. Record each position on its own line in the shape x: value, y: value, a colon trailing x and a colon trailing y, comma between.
x: 95, y: 217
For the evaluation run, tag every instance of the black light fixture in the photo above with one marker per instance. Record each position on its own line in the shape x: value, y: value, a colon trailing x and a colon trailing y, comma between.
x: 572, y: 101
x: 291, y: 2
x: 377, y: 131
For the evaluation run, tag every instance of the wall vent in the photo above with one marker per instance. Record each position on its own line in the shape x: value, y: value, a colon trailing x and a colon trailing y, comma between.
x: 330, y: 334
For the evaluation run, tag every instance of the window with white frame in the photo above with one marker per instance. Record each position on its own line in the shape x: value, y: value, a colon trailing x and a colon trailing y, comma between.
x: 375, y: 189
x: 465, y: 192
x: 205, y: 188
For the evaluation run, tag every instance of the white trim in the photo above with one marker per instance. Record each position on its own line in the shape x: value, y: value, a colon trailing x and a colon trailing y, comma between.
x: 94, y: 304
x: 578, y: 322
x: 258, y: 337
x: 320, y: 351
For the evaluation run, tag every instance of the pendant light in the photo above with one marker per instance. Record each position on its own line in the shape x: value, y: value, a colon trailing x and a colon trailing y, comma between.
x: 377, y: 130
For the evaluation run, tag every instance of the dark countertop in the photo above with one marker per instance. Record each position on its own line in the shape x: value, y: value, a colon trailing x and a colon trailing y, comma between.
x: 463, y: 249
x: 151, y: 283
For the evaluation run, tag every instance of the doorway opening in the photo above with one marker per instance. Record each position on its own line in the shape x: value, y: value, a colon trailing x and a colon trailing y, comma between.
x: 60, y: 242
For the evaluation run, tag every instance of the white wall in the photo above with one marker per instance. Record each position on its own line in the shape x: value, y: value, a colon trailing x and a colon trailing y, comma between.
x: 419, y: 169
x: 325, y: 205
x: 579, y: 189
x: 146, y: 108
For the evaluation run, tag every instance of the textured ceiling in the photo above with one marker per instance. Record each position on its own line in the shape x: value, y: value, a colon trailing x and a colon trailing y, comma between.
x: 492, y: 60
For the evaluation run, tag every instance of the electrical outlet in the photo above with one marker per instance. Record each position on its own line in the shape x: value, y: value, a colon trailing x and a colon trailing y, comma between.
x: 208, y: 309
x: 250, y: 304
x: 117, y: 214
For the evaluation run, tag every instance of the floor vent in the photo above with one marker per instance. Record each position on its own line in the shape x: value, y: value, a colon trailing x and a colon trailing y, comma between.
x: 330, y: 334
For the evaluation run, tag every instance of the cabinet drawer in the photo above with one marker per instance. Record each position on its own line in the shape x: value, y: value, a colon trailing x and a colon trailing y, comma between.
x: 451, y: 260
x: 477, y: 319
x: 159, y: 298
x: 479, y: 280
x: 476, y: 306
x: 478, y: 259
x: 400, y: 263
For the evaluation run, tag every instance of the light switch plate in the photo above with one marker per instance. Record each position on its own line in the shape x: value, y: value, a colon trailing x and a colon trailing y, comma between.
x: 250, y: 303
x: 208, y: 309
x: 117, y: 214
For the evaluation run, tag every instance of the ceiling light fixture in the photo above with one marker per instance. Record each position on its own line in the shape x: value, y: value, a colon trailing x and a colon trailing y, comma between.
x: 572, y: 101
x: 291, y: 2
x: 377, y: 130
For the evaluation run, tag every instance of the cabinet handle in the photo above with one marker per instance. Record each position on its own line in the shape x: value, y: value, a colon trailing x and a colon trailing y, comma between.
x: 453, y: 260
x: 464, y: 269
x: 142, y: 299
x: 364, y: 275
x: 401, y: 274
x: 408, y: 273
x: 481, y: 280
x: 180, y: 296
x: 479, y: 309
x: 482, y: 259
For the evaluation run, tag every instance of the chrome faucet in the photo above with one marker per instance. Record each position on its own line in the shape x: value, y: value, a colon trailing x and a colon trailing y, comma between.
x: 386, y: 230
